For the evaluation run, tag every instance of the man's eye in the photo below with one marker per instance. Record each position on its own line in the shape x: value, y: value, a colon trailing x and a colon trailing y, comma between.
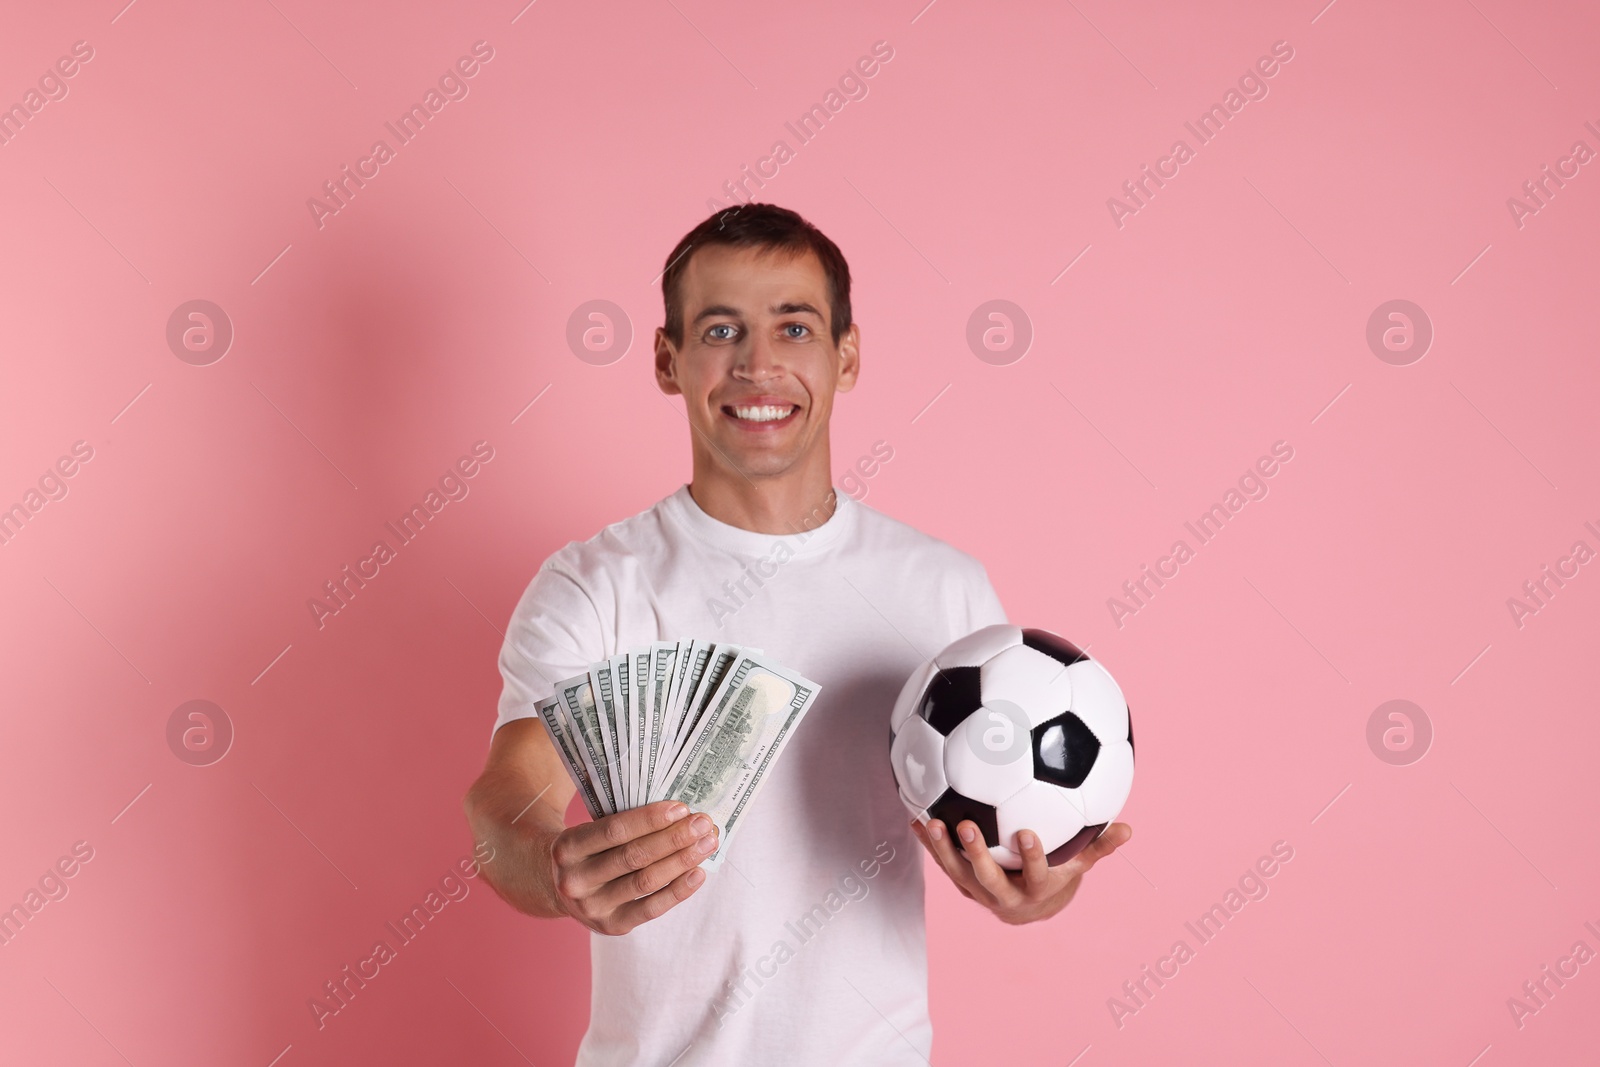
x: 712, y: 333
x: 798, y: 326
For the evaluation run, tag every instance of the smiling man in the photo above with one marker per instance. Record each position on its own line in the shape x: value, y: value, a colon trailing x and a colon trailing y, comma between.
x: 807, y: 947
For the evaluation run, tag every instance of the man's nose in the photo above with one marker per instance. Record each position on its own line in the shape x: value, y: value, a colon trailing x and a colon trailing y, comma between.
x: 759, y: 360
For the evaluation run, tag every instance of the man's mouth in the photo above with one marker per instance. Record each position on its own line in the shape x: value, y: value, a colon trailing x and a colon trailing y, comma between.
x: 764, y: 415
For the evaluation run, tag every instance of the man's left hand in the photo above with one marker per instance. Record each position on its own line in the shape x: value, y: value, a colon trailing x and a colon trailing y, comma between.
x: 1036, y: 892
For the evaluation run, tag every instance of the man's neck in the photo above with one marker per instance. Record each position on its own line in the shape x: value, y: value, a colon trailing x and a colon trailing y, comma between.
x: 790, y: 503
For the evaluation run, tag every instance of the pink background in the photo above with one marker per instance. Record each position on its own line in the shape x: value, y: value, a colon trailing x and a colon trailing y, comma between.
x: 427, y: 314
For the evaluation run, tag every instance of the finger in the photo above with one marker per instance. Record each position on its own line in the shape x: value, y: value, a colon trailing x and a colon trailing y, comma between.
x: 641, y: 883
x: 1035, y: 866
x: 958, y: 869
x: 989, y: 874
x: 1116, y: 835
x: 577, y: 878
x: 921, y: 830
x: 609, y: 831
x: 936, y: 838
x: 641, y: 852
x: 955, y: 872
x: 656, y: 904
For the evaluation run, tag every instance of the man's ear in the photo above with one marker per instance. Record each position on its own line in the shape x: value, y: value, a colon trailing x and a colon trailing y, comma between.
x: 849, y: 359
x: 666, y: 364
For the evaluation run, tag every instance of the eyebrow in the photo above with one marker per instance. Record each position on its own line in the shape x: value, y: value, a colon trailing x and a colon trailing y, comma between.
x: 790, y: 308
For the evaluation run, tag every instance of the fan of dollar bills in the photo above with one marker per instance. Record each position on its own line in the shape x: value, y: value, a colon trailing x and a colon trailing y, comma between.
x: 693, y: 721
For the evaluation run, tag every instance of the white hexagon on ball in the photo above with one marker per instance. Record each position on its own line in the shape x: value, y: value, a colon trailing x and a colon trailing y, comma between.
x: 988, y: 757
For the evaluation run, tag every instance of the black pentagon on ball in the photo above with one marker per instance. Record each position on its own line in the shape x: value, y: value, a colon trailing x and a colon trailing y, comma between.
x: 952, y: 695
x: 952, y: 807
x: 1075, y: 844
x: 1064, y: 751
x: 1057, y: 648
x: 1130, y: 731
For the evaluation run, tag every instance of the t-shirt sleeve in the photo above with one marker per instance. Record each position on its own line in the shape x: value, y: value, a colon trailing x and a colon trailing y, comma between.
x: 983, y: 602
x: 554, y: 633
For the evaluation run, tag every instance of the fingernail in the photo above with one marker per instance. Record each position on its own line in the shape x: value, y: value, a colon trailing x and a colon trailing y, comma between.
x: 701, y: 825
x: 1026, y: 839
x: 705, y: 844
x: 936, y: 831
x: 696, y: 876
x: 676, y: 812
x: 968, y: 834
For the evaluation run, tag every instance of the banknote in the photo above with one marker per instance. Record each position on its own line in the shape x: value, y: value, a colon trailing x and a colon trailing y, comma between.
x: 640, y: 680
x: 550, y: 714
x: 699, y: 680
x: 604, y: 685
x: 721, y: 659
x: 748, y: 720
x: 663, y: 654
x: 577, y: 698
x: 621, y: 671
x: 694, y: 721
x: 684, y: 676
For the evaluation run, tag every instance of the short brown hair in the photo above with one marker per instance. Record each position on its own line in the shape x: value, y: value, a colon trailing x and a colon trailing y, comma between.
x: 764, y: 226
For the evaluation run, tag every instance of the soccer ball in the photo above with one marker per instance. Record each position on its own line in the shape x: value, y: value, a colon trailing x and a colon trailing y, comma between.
x: 1014, y: 729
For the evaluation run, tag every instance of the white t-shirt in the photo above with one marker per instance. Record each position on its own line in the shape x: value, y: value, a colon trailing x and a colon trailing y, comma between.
x: 808, y: 945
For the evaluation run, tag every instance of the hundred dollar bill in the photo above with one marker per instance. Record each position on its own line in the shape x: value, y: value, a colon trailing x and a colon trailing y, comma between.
x: 641, y: 721
x: 722, y: 657
x: 706, y: 671
x: 577, y: 698
x: 550, y: 714
x: 622, y: 742
x: 663, y: 656
x: 747, y: 722
x: 718, y: 660
x: 604, y: 686
x: 684, y: 675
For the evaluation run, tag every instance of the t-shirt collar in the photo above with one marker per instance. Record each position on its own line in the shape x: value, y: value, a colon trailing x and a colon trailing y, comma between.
x: 683, y: 509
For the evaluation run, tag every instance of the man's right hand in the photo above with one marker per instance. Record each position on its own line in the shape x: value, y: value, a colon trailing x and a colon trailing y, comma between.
x: 625, y: 869
x: 610, y: 874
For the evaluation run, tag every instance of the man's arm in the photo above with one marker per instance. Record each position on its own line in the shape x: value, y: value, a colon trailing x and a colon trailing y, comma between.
x: 523, y: 764
x: 610, y: 874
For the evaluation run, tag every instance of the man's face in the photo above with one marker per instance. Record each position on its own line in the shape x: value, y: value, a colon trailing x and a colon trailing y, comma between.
x: 758, y: 367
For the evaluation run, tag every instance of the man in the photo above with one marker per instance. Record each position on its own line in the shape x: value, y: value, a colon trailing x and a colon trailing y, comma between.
x: 807, y: 946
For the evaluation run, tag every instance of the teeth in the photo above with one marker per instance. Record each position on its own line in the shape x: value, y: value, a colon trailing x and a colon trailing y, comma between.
x: 765, y: 413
